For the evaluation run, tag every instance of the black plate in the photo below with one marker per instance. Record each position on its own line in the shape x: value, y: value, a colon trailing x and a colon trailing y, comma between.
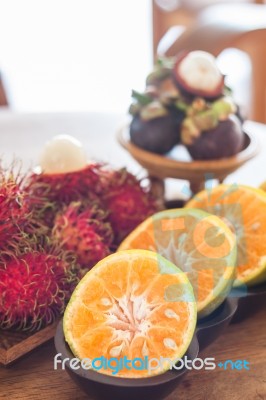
x: 209, y: 328
x: 250, y: 301
x: 103, y: 387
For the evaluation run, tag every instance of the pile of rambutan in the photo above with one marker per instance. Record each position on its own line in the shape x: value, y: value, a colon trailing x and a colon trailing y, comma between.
x: 36, y: 277
x: 54, y: 228
x: 97, y: 201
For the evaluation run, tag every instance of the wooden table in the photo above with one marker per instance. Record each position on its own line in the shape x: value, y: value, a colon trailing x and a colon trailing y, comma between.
x: 33, y: 377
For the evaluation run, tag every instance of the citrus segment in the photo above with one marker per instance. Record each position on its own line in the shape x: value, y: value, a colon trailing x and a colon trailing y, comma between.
x: 200, y: 244
x: 244, y: 210
x: 132, y: 304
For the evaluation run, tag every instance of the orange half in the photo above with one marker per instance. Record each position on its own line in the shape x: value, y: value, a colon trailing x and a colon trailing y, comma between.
x: 132, y: 304
x: 244, y: 210
x: 200, y: 244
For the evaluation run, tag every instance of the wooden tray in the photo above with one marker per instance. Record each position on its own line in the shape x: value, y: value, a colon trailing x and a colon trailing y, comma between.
x: 14, y: 345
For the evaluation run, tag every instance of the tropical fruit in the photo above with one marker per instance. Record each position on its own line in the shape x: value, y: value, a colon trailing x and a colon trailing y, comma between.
x: 84, y: 230
x: 35, y: 286
x: 133, y: 304
x: 198, y: 243
x: 127, y: 202
x: 244, y: 210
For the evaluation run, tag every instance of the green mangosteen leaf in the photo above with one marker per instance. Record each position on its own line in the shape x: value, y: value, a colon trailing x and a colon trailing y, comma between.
x: 141, y: 98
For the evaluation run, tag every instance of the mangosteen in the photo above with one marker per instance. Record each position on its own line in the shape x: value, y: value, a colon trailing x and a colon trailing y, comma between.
x: 224, y: 140
x: 196, y: 74
x: 240, y: 114
x: 157, y: 134
x: 162, y: 70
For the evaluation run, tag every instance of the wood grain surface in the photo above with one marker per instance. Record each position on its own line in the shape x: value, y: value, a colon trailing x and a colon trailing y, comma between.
x: 14, y: 345
x: 33, y: 377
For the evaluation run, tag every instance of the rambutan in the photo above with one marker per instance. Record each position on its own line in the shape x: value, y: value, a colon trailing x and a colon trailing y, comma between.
x: 35, y: 287
x: 14, y: 214
x: 49, y: 193
x: 66, y: 187
x: 83, y: 229
x: 65, y: 177
x: 127, y: 202
x: 43, y: 210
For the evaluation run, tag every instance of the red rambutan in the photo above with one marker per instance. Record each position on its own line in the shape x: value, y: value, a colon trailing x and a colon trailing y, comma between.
x: 35, y: 288
x: 14, y: 214
x: 83, y: 229
x: 66, y: 187
x: 127, y: 202
x: 49, y: 193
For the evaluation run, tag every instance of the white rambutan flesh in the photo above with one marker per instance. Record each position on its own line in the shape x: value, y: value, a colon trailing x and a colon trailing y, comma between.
x: 63, y: 154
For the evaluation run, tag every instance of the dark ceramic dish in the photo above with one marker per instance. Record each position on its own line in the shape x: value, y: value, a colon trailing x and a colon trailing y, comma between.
x: 209, y: 328
x: 250, y: 301
x: 103, y: 387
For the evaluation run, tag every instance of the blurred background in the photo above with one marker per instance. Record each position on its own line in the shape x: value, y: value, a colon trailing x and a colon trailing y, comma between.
x: 87, y: 55
x: 74, y: 55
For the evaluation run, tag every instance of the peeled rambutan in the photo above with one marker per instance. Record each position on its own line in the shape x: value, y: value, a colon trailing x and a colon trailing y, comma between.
x: 35, y: 287
x: 127, y: 201
x: 83, y: 229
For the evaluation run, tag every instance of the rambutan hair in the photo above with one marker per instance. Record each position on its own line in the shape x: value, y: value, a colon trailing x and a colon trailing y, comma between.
x: 82, y: 227
x: 14, y: 213
x: 35, y: 287
x: 128, y: 203
x: 66, y: 187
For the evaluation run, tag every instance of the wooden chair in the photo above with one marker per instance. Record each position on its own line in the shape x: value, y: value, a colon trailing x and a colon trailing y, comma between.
x: 225, y: 26
x: 3, y: 97
x: 181, y: 12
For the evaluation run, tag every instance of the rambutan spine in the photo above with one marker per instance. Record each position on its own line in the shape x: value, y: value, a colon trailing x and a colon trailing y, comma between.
x: 83, y: 228
x: 35, y: 287
x: 128, y: 202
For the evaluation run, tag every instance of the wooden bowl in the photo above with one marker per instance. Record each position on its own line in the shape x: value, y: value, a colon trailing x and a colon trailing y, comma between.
x: 196, y: 172
x: 105, y: 387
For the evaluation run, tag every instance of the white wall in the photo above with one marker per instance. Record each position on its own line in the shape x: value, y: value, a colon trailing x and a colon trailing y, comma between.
x: 74, y: 55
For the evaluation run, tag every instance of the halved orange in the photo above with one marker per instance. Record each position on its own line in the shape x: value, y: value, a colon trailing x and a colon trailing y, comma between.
x: 244, y: 209
x: 132, y: 304
x: 200, y: 244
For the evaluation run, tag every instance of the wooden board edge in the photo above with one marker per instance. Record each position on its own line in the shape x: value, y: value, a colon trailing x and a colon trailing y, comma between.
x: 25, y: 346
